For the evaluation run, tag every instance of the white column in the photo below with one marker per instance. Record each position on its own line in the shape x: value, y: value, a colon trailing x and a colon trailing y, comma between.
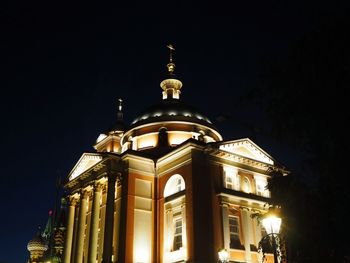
x: 108, y: 235
x: 94, y: 223
x: 81, y: 227
x: 258, y: 238
x: 246, y: 233
x: 116, y: 227
x: 70, y: 227
x: 225, y: 225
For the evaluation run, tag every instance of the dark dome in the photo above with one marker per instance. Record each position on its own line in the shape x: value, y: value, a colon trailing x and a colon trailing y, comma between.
x: 118, y: 126
x: 171, y: 110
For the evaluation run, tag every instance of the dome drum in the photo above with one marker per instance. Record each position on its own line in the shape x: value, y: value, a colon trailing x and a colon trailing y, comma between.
x: 146, y: 136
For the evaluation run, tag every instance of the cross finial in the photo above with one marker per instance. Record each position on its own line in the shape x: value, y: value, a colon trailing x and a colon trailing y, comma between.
x: 171, y: 65
x: 171, y: 48
x: 120, y: 101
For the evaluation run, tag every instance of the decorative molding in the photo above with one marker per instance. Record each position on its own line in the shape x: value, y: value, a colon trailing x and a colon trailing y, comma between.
x: 244, y: 208
x: 251, y: 151
x: 86, y: 161
x: 97, y: 186
x: 72, y: 200
x: 84, y: 193
x: 241, y: 159
x: 225, y: 204
x: 242, y: 201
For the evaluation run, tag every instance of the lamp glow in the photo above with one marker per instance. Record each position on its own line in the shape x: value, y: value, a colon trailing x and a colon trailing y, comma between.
x: 223, y: 255
x: 272, y: 224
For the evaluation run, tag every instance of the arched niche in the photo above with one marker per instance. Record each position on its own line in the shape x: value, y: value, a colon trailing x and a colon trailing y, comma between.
x: 175, y: 184
x: 246, y: 187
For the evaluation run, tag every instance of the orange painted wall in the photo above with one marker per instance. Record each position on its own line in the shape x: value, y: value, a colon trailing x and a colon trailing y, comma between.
x: 216, y: 172
x: 130, y: 213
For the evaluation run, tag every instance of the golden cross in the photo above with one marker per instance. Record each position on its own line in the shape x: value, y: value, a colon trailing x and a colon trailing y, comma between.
x: 171, y: 48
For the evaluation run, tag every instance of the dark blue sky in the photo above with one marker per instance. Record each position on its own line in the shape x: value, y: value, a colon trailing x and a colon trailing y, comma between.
x: 65, y: 65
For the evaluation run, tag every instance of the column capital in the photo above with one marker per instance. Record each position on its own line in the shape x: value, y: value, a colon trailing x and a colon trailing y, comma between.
x: 112, y: 176
x: 253, y: 210
x: 115, y: 177
x: 224, y: 204
x: 119, y: 178
x: 244, y: 208
x: 72, y: 200
x: 84, y: 194
x: 97, y: 186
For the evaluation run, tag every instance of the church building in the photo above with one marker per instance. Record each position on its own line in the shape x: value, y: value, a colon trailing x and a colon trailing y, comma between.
x: 166, y: 188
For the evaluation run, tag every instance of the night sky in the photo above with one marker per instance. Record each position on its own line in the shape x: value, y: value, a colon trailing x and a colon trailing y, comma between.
x: 64, y: 66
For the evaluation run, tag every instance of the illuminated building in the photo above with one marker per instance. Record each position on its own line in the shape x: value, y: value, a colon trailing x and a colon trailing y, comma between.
x: 166, y: 188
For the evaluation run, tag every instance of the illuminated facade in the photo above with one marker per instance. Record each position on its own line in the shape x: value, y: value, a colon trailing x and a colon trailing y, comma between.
x: 167, y: 188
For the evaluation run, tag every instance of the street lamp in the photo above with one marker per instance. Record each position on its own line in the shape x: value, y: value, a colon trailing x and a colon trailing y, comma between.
x: 223, y: 255
x: 272, y: 224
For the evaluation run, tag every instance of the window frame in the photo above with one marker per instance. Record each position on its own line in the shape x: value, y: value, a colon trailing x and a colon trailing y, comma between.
x: 234, y: 236
x: 176, y: 227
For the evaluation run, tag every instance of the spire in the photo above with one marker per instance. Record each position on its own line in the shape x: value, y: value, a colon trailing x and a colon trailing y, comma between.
x: 120, y: 112
x: 171, y: 86
x: 61, y: 218
x: 118, y: 126
x: 57, y: 241
x: 171, y: 65
x: 48, y: 229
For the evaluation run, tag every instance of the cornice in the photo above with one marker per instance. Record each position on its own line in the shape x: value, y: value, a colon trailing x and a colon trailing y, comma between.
x: 236, y: 158
x: 174, y: 167
x: 96, y: 172
x: 178, y: 151
x: 242, y: 199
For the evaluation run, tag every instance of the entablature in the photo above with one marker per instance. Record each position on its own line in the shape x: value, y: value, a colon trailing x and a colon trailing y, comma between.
x: 246, y: 148
x: 104, y: 166
x: 240, y: 161
x: 232, y: 197
x: 139, y: 165
x: 177, y: 158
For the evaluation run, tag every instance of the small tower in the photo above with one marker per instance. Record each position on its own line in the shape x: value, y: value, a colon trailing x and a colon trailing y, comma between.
x: 37, y: 248
x: 48, y: 228
x: 110, y: 141
x: 59, y: 233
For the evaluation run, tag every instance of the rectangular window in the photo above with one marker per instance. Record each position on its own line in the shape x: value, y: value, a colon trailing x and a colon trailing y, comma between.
x: 259, y: 190
x: 229, y: 181
x: 234, y: 232
x: 231, y: 178
x: 177, y: 234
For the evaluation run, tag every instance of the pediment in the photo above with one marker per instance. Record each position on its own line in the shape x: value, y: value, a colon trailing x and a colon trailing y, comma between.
x: 246, y: 148
x: 86, y: 161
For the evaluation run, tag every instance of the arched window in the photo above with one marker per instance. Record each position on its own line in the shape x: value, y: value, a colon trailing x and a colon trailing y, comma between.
x: 174, y: 185
x: 175, y: 241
